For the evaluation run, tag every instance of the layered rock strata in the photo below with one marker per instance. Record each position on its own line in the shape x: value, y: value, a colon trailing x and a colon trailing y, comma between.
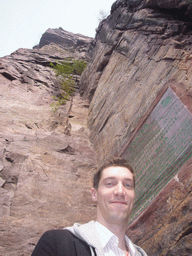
x: 139, y: 50
x: 136, y: 51
x: 46, y: 159
x: 75, y: 43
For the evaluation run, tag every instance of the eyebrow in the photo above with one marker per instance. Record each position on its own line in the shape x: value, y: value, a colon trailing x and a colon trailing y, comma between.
x: 114, y: 178
x: 109, y: 178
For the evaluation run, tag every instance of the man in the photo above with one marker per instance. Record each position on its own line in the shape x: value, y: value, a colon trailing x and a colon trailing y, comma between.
x: 114, y: 192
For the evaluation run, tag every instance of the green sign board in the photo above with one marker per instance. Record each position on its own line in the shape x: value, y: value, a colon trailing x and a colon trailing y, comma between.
x: 161, y: 146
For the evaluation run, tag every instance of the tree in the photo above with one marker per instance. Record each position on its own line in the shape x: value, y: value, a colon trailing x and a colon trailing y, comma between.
x: 102, y: 15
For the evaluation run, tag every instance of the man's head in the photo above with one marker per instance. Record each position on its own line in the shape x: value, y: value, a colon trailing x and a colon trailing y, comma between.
x: 114, y: 192
x: 115, y: 161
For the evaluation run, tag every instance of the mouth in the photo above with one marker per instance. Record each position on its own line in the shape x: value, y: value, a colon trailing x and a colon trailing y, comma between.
x: 119, y: 203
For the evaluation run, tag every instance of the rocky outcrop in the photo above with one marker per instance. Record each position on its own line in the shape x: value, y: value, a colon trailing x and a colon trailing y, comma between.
x: 66, y: 40
x: 139, y: 50
x: 136, y: 51
x: 46, y: 159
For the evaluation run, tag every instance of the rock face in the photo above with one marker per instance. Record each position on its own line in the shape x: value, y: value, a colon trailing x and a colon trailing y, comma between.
x: 165, y: 227
x: 66, y: 40
x: 46, y: 160
x: 141, y: 48
x: 135, y: 51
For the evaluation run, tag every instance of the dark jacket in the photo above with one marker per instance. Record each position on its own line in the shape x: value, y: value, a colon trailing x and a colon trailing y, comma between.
x: 61, y: 243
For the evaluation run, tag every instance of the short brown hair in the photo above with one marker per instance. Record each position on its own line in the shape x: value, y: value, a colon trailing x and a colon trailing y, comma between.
x: 115, y: 161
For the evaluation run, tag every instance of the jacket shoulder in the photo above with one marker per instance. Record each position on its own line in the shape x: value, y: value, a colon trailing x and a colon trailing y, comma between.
x: 61, y: 243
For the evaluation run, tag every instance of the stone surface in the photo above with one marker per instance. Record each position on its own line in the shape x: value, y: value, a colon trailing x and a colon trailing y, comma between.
x: 46, y: 159
x: 139, y: 50
x: 161, y: 145
x: 134, y: 52
x: 75, y: 43
x: 165, y: 227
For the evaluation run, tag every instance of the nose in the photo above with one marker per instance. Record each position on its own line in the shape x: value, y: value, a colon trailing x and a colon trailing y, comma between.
x: 119, y: 190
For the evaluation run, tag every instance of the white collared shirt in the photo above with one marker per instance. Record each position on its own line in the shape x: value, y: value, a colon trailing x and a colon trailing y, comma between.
x: 110, y: 242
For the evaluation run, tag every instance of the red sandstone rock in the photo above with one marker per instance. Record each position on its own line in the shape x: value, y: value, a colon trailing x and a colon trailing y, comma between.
x: 45, y: 174
x: 138, y: 50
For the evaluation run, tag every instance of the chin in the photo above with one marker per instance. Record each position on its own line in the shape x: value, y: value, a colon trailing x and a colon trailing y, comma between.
x: 119, y: 218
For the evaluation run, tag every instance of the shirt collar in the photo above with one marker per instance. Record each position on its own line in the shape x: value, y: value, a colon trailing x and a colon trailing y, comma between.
x: 106, y: 235
x: 130, y: 246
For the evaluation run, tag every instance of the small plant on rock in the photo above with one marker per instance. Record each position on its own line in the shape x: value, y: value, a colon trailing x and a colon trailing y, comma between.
x: 66, y: 71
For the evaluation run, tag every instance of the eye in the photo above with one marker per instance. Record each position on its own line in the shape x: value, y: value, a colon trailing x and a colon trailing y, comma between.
x: 109, y: 183
x: 129, y: 185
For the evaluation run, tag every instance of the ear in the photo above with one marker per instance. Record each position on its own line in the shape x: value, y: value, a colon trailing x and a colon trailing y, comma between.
x: 94, y: 194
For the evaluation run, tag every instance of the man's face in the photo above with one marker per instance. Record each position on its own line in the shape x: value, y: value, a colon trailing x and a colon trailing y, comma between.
x: 115, y: 195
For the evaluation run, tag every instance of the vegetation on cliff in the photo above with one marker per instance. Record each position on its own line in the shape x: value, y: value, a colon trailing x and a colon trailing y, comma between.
x: 67, y: 72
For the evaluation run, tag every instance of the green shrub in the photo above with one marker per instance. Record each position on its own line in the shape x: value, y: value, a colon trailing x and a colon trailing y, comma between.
x: 66, y: 71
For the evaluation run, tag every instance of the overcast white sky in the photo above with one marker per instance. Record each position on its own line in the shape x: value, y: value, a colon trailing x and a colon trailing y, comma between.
x: 22, y: 22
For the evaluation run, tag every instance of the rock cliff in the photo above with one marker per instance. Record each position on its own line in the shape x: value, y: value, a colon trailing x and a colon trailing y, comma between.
x: 75, y: 43
x: 46, y: 160
x: 139, y: 50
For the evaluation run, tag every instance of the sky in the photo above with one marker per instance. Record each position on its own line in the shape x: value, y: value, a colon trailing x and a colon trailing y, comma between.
x: 22, y: 22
